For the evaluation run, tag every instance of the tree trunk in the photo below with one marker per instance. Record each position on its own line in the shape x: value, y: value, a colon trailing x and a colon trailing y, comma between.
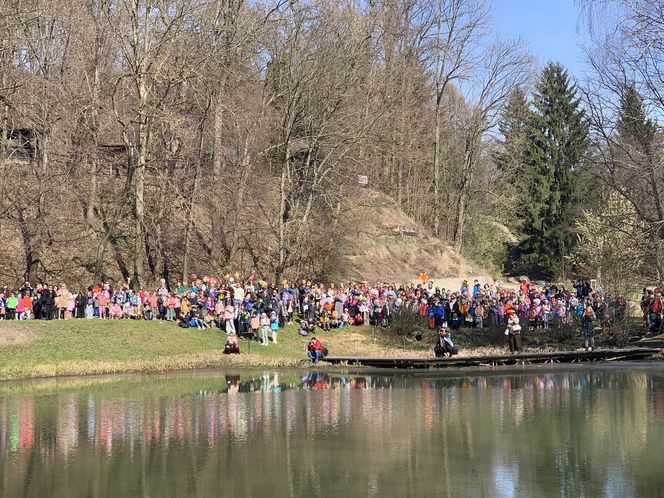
x: 4, y: 132
x: 32, y: 259
x: 139, y: 185
x: 217, y: 171
x: 139, y: 212
x: 92, y: 199
x: 245, y: 168
x: 464, y: 193
x: 282, y: 217
x: 436, y: 172
x: 194, y: 190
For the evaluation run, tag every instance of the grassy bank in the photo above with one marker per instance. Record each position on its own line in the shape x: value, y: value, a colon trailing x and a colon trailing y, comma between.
x: 80, y: 347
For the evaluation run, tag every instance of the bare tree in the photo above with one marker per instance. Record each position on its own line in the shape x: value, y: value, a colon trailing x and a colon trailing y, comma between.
x: 626, y: 57
x: 505, y: 67
x: 148, y: 33
x: 455, y: 30
x: 165, y: 136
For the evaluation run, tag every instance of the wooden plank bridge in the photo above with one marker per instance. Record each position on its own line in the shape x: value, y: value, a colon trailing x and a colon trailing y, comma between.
x: 513, y: 359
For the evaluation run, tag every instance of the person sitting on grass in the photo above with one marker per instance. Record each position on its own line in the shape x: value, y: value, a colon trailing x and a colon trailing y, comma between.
x: 195, y: 322
x: 324, y: 321
x: 116, y: 311
x: 315, y: 350
x: 306, y: 327
x: 344, y: 320
x: 232, y: 346
x: 209, y: 321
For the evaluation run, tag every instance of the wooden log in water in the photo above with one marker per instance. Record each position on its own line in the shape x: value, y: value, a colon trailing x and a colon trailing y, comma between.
x: 509, y: 359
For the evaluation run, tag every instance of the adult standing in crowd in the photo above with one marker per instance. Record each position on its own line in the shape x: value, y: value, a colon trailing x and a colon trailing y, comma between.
x: 513, y: 332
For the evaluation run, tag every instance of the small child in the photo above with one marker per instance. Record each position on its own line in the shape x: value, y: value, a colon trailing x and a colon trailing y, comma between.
x: 71, y: 306
x: 265, y: 327
x: 19, y: 308
x: 254, y: 324
x: 334, y: 320
x: 126, y: 309
x: 185, y: 307
x: 116, y: 311
x: 289, y: 312
x: 274, y: 326
x: 324, y: 321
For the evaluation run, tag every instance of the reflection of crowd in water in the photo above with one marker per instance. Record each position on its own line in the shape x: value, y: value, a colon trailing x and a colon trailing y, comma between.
x: 250, y: 405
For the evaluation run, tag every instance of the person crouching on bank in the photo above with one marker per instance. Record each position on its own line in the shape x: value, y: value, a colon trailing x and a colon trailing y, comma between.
x: 315, y: 350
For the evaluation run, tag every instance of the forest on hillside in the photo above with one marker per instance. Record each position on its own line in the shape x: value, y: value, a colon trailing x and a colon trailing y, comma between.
x: 148, y: 139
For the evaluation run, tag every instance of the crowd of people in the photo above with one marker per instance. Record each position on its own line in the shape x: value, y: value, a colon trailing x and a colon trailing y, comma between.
x: 652, y: 307
x: 253, y: 308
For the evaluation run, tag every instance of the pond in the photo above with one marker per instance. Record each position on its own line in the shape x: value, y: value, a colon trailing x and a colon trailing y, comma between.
x: 586, y: 431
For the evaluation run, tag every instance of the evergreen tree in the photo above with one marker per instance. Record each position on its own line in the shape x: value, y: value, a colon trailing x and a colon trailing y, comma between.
x: 634, y: 127
x: 509, y: 156
x: 557, y: 142
x: 513, y: 127
x: 637, y: 168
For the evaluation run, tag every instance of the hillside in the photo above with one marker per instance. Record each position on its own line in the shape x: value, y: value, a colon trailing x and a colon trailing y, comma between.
x: 384, y: 244
x: 380, y: 243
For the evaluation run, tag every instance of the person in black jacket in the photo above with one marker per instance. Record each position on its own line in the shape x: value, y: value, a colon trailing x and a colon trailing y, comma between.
x: 48, y: 303
x: 81, y: 302
x: 37, y: 302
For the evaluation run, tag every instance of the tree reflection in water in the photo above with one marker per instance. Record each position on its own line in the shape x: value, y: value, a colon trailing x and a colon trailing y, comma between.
x: 586, y: 432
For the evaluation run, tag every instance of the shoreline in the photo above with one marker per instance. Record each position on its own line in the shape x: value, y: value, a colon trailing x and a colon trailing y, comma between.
x: 183, y: 363
x: 215, y: 373
x: 216, y: 359
x: 68, y: 348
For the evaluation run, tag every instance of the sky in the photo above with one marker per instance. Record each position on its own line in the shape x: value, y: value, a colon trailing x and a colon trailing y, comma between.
x: 550, y: 28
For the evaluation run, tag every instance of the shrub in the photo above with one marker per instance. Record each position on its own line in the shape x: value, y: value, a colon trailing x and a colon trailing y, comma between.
x: 407, y: 323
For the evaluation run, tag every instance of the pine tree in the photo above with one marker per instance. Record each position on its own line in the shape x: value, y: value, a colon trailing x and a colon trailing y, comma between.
x: 509, y: 156
x: 634, y: 127
x: 513, y: 127
x: 557, y: 142
x: 637, y: 168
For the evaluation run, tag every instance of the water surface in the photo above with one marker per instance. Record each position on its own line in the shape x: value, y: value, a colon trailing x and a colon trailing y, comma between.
x: 593, y: 431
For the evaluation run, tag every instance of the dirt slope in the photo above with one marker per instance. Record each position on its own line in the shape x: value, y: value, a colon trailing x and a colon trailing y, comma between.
x: 384, y: 244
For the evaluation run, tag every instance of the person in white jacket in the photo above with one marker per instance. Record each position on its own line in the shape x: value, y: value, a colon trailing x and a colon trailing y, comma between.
x: 513, y: 332
x: 265, y: 328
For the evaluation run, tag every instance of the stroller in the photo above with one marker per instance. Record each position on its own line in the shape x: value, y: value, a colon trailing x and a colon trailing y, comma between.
x: 445, y: 345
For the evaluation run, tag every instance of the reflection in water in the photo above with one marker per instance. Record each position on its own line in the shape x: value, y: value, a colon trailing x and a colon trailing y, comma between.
x: 587, y: 432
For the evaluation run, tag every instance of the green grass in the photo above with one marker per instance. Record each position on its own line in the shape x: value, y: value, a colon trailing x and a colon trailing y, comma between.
x: 59, y: 348
x: 70, y: 342
x: 82, y: 347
